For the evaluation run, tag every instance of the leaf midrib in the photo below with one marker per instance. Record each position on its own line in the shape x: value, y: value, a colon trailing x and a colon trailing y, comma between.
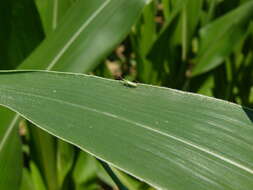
x: 77, y: 34
x: 149, y: 128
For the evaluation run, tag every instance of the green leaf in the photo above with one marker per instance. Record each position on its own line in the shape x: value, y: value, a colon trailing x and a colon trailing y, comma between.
x: 36, y: 177
x: 86, y: 37
x: 52, y: 12
x: 163, y: 53
x: 85, y: 169
x: 142, y: 38
x: 18, y: 37
x: 43, y: 152
x: 10, y: 152
x: 169, y: 139
x: 189, y: 17
x: 65, y: 160
x: 219, y: 38
x: 27, y: 182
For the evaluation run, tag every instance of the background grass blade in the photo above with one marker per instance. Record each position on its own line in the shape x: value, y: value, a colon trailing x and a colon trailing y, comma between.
x: 123, y: 125
x: 43, y: 152
x: 27, y: 182
x: 163, y: 52
x: 10, y: 161
x: 65, y: 160
x: 219, y: 38
x: 142, y: 38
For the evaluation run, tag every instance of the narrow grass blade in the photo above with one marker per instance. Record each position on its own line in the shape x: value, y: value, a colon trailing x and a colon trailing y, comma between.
x: 10, y: 152
x: 219, y: 38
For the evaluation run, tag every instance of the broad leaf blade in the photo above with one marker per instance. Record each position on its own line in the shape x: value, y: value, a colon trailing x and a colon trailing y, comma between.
x: 219, y: 38
x: 170, y: 139
x: 90, y: 29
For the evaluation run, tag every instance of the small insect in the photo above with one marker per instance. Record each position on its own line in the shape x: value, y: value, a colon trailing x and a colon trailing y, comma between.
x: 129, y: 83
